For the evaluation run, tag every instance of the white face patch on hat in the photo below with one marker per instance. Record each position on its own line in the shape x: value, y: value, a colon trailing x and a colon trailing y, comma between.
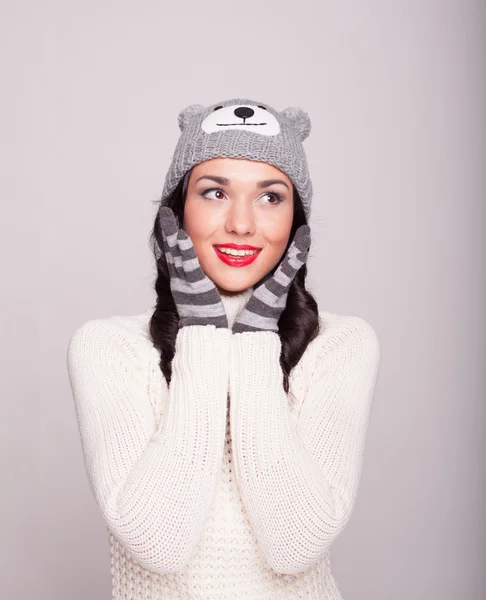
x: 241, y: 116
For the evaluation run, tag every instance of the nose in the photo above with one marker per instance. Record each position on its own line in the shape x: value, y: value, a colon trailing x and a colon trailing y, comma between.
x: 244, y: 112
x: 240, y: 219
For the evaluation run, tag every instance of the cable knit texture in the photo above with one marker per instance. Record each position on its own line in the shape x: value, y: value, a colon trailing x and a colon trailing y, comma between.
x: 223, y: 486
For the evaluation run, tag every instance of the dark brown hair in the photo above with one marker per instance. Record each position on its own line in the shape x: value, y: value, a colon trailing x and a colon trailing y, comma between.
x: 299, y: 322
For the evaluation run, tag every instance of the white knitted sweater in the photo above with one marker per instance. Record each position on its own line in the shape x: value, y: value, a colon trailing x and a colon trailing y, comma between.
x: 223, y: 486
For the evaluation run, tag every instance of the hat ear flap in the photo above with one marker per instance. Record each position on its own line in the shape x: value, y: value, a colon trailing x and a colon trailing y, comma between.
x: 299, y: 119
x: 187, y: 113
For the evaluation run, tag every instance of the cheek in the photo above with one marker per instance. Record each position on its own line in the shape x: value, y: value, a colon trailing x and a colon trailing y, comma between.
x: 196, y: 220
x: 277, y: 231
x: 200, y: 225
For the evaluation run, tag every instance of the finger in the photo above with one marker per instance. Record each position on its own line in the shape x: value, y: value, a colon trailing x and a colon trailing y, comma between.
x: 194, y: 290
x: 299, y: 248
x: 296, y: 255
x: 168, y: 226
x: 195, y: 279
x: 190, y: 263
x: 186, y: 246
x: 302, y: 238
x: 298, y: 251
x: 171, y: 230
x: 167, y: 221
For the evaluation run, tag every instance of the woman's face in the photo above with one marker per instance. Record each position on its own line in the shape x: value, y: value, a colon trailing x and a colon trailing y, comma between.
x: 242, y: 202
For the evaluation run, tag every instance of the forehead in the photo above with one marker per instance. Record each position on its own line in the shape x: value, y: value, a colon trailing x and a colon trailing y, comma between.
x: 238, y: 170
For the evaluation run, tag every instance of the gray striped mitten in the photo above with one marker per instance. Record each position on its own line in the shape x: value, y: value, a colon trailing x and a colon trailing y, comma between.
x: 263, y: 309
x: 196, y: 297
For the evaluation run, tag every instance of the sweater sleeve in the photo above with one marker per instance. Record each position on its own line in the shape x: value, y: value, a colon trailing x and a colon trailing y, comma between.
x: 299, y: 482
x: 153, y: 485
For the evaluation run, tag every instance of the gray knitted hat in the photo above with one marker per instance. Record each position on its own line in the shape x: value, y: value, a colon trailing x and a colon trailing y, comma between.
x: 242, y: 128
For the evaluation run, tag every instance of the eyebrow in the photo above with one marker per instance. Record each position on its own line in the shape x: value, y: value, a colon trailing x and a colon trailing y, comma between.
x: 225, y: 181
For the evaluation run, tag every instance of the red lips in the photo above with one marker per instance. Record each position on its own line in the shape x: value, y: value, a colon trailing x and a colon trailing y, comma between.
x: 237, y: 261
x: 238, y: 246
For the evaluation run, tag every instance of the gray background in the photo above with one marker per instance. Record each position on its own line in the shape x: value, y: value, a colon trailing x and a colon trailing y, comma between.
x: 396, y: 93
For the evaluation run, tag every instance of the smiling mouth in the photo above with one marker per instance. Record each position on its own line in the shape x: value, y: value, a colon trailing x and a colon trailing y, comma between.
x: 237, y: 260
x: 245, y: 251
x: 249, y: 124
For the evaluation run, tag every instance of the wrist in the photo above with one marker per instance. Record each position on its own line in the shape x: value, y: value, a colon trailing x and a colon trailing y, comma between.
x: 220, y: 322
x: 254, y: 322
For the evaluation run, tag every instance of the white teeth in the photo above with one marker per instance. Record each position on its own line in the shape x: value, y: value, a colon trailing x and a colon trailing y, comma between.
x: 236, y: 252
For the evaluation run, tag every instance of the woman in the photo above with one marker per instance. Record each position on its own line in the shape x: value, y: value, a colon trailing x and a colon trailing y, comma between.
x: 223, y: 432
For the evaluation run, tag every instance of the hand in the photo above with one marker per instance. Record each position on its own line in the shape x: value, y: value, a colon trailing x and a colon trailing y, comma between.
x: 196, y: 297
x: 263, y: 309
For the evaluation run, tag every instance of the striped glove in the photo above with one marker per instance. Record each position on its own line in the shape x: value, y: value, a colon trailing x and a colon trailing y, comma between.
x: 263, y: 309
x: 196, y: 297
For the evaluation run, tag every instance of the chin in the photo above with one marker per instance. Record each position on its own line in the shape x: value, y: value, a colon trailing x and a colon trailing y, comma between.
x: 235, y: 285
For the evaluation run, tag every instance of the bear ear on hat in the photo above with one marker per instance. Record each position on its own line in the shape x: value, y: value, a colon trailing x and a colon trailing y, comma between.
x: 187, y: 113
x: 299, y: 119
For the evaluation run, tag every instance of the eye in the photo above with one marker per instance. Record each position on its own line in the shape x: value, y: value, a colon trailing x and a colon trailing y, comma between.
x: 264, y: 107
x: 217, y: 108
x: 275, y: 195
x: 215, y: 190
